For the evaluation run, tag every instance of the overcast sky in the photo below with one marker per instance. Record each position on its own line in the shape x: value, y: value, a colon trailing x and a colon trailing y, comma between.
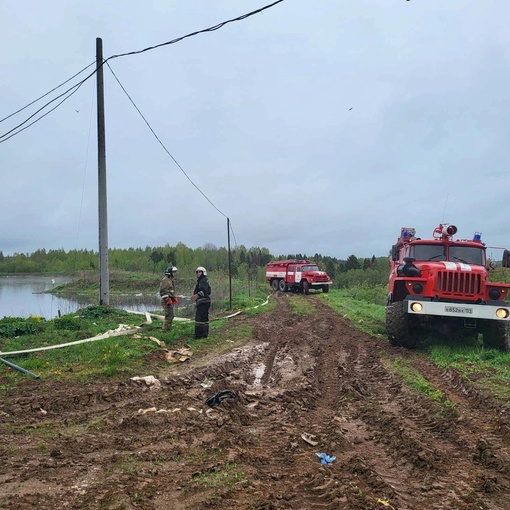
x: 315, y: 126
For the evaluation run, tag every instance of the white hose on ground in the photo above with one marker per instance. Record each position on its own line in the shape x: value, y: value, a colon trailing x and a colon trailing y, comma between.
x: 117, y: 332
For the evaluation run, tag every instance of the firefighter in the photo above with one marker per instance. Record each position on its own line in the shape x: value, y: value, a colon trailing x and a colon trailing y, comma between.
x: 202, y: 299
x: 168, y: 297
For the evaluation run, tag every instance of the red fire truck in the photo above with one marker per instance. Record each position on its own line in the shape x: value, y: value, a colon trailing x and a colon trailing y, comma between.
x: 443, y: 284
x: 297, y: 276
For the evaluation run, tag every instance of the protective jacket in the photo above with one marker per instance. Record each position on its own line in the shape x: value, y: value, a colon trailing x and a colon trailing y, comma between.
x: 202, y: 290
x: 166, y: 290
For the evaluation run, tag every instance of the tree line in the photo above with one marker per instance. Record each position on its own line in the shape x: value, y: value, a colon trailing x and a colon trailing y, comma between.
x: 244, y: 263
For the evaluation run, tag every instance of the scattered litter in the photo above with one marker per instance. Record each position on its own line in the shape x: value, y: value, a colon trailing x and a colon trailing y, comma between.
x: 206, y: 383
x: 149, y: 380
x: 181, y: 355
x: 159, y: 342
x: 309, y: 438
x: 385, y: 502
x: 148, y: 410
x: 325, y: 459
x: 158, y: 411
x: 218, y: 397
x: 43, y: 411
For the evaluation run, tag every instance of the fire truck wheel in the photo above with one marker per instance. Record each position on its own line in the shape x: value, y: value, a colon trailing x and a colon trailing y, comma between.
x: 306, y: 287
x: 496, y: 335
x: 274, y: 285
x: 397, y: 326
x: 282, y: 286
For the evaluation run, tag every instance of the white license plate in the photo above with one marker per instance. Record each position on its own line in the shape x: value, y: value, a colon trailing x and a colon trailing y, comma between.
x: 458, y: 309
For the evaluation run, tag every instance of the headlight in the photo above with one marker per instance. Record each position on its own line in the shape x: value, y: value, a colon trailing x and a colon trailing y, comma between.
x: 502, y: 313
x: 417, y: 307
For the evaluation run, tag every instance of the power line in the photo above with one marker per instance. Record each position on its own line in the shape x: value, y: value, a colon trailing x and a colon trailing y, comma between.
x: 160, y: 142
x: 4, y: 136
x: 75, y: 87
x: 168, y: 152
x: 44, y: 95
x: 210, y: 29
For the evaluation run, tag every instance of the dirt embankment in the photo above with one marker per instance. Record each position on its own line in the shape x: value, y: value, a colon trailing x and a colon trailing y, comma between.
x: 302, y: 380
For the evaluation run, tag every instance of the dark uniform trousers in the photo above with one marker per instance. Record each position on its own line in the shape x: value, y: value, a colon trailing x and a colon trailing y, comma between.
x: 202, y: 318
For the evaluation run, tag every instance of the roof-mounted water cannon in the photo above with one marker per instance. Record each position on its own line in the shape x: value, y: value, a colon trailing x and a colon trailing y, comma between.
x: 444, y: 232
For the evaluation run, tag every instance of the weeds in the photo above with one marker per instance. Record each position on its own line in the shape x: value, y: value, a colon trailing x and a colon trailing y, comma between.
x: 414, y: 380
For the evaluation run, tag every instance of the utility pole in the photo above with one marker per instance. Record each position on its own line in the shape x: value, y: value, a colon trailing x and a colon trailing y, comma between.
x: 104, y: 277
x: 229, y: 262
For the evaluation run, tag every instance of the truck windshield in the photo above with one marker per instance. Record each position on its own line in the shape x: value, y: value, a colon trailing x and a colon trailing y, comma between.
x: 467, y: 255
x: 309, y: 268
x: 428, y: 252
x: 464, y: 254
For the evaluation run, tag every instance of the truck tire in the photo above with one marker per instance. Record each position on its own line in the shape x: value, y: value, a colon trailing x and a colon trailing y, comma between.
x: 496, y: 335
x: 274, y: 285
x: 397, y: 326
x: 282, y: 285
x: 325, y: 288
x: 306, y: 287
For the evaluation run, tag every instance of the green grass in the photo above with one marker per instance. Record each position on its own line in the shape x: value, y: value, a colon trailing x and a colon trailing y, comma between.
x: 301, y: 306
x: 414, y: 380
x: 365, y: 316
x: 487, y: 369
x: 105, y: 357
x: 224, y: 476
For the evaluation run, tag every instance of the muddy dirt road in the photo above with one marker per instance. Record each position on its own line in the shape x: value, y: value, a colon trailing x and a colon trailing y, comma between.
x: 305, y: 385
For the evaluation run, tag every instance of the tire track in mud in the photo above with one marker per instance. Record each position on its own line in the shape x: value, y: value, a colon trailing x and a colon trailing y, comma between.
x: 407, y: 428
x: 362, y: 408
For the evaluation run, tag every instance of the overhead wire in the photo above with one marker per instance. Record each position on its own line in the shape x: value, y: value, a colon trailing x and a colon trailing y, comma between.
x: 160, y: 142
x: 4, y: 137
x: 16, y: 130
x: 164, y: 147
x: 210, y: 29
x: 47, y: 93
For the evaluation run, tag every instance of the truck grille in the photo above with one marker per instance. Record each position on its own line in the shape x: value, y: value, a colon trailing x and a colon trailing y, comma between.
x: 321, y: 278
x: 461, y: 283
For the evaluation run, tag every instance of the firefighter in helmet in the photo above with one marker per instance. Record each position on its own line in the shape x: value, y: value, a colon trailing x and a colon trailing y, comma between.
x: 202, y: 299
x: 168, y: 297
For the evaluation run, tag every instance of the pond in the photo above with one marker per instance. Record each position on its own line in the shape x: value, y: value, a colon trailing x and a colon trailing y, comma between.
x: 23, y: 296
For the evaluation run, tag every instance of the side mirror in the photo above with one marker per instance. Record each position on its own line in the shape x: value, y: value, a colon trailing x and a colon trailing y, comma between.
x: 492, y: 264
x: 506, y: 258
x: 394, y: 253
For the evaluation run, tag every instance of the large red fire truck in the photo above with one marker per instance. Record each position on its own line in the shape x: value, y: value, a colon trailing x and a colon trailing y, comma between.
x: 444, y: 284
x: 296, y: 275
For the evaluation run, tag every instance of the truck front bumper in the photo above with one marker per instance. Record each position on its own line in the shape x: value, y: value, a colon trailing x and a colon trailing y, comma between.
x: 464, y: 310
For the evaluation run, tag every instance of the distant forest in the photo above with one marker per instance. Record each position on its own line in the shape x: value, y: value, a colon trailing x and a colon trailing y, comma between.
x: 244, y: 263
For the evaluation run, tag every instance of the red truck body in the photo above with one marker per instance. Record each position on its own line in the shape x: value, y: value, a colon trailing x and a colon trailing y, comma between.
x: 443, y: 284
x: 297, y: 276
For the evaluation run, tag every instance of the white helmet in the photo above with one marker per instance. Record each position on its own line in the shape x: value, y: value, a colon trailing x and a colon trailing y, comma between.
x: 200, y: 268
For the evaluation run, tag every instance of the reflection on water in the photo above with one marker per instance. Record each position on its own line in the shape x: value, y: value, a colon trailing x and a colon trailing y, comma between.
x: 23, y: 296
